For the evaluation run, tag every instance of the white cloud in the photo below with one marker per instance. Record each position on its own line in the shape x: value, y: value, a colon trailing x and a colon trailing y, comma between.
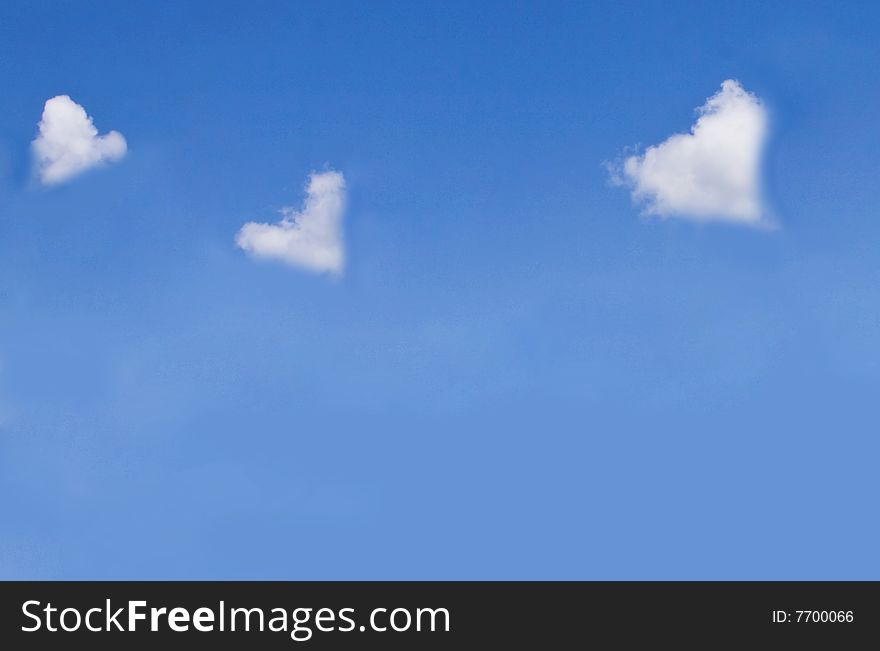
x: 68, y: 143
x: 310, y: 238
x: 712, y: 173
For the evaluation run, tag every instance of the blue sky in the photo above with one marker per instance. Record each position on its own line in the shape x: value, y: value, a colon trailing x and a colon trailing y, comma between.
x: 518, y: 375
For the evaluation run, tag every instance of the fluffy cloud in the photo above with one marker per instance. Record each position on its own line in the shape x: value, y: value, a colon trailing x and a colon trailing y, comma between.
x: 310, y: 238
x: 712, y: 173
x: 68, y: 143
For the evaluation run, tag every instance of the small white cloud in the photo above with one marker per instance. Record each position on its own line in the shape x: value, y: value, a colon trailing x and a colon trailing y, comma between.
x: 310, y: 238
x: 712, y: 173
x: 68, y: 143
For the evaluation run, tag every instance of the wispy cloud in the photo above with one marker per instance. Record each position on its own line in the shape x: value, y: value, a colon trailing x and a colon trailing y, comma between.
x: 310, y: 238
x: 712, y: 173
x: 68, y: 142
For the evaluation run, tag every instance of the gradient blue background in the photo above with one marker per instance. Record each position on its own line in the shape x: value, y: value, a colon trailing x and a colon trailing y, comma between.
x: 518, y: 376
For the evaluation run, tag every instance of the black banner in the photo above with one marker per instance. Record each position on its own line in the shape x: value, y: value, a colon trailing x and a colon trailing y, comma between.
x: 432, y: 615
